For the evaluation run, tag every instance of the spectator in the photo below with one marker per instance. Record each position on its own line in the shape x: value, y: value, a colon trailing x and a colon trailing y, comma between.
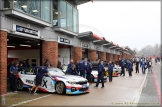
x: 143, y: 65
x: 122, y: 68
x: 130, y: 67
x: 150, y: 66
x: 137, y: 66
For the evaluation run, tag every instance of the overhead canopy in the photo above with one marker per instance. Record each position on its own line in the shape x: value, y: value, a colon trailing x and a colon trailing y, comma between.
x: 79, y: 2
x: 89, y: 36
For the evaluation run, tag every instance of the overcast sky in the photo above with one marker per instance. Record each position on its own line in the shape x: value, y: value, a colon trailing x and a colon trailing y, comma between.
x: 133, y: 24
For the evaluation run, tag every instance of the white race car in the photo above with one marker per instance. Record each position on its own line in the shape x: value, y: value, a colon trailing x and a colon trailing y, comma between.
x: 63, y: 84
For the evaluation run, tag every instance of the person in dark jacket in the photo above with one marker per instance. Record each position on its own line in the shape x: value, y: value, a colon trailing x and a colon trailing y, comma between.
x: 101, y: 71
x: 122, y: 68
x: 73, y: 70
x: 70, y: 65
x: 137, y: 66
x: 110, y: 70
x: 89, y: 70
x: 39, y: 76
x: 130, y: 67
x: 82, y: 68
x: 13, y: 78
x: 143, y: 65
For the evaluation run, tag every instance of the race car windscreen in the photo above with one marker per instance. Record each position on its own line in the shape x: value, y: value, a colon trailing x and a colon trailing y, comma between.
x: 56, y: 71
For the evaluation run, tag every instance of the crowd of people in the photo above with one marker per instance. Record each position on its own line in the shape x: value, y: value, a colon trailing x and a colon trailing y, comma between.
x: 84, y: 69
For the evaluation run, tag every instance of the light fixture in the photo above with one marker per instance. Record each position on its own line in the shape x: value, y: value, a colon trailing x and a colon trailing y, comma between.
x: 56, y: 12
x: 15, y: 0
x: 25, y: 45
x: 11, y: 46
x: 7, y: 39
x: 34, y: 10
x: 38, y: 44
x: 24, y: 6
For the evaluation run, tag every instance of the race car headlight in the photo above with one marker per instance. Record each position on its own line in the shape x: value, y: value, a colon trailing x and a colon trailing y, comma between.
x: 70, y: 82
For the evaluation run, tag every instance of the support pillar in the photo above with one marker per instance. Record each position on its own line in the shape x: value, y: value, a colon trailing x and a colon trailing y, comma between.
x: 92, y: 55
x: 110, y: 57
x: 3, y: 62
x: 50, y: 52
x: 77, y: 53
x: 103, y: 56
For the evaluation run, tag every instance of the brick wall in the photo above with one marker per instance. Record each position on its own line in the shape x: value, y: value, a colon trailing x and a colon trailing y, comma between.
x: 110, y: 57
x: 92, y: 55
x: 50, y: 52
x: 3, y: 62
x: 77, y: 53
x: 103, y: 56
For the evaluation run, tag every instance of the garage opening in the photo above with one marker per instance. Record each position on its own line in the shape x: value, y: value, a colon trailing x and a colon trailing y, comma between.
x: 19, y: 49
x: 98, y: 55
x: 64, y: 54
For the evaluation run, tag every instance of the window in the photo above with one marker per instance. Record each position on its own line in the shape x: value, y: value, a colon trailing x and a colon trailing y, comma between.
x: 46, y: 7
x: 6, y: 4
x: 75, y: 20
x: 34, y: 7
x: 37, y: 8
x: 69, y: 17
x: 62, y: 14
x: 55, y: 12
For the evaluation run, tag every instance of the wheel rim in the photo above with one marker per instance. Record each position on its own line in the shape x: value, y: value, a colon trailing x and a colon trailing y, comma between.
x: 60, y: 88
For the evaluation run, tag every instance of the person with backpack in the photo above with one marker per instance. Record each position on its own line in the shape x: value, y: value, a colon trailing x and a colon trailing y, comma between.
x: 110, y: 70
x: 101, y: 71
x: 143, y: 65
x: 82, y: 67
x: 89, y: 70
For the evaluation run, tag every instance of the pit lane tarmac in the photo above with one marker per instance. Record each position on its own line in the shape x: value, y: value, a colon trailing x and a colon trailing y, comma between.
x: 122, y: 91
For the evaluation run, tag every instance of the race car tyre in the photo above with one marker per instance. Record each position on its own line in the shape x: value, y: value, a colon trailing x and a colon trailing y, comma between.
x: 60, y: 88
x: 19, y: 84
x: 92, y: 78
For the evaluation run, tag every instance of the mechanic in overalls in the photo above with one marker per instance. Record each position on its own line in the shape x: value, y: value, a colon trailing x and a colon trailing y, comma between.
x: 130, y: 67
x: 122, y: 68
x: 110, y: 70
x: 13, y: 78
x: 82, y: 68
x: 73, y: 71
x: 89, y: 70
x: 39, y: 76
x: 70, y: 65
x: 101, y: 72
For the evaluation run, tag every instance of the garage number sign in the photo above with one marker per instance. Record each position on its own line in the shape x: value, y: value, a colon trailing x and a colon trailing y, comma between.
x: 85, y: 45
x: 26, y: 30
x: 63, y: 40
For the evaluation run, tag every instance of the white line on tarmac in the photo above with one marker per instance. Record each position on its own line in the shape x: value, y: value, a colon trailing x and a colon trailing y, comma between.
x: 30, y: 100
x: 135, y: 103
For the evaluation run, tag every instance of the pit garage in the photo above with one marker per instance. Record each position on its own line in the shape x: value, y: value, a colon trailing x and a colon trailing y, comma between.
x: 22, y: 48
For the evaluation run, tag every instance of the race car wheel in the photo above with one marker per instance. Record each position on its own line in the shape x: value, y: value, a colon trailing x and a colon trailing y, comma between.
x: 92, y: 78
x: 60, y: 88
x: 19, y: 84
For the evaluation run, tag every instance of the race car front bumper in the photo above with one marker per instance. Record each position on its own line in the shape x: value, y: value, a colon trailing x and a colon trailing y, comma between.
x: 77, y: 90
